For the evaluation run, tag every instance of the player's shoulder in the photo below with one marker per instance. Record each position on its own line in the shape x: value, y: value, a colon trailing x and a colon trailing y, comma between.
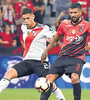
x: 23, y: 27
x: 43, y: 26
x: 85, y: 22
x: 40, y: 25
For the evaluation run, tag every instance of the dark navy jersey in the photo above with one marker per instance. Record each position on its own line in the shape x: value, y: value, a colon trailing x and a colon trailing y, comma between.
x: 75, y: 37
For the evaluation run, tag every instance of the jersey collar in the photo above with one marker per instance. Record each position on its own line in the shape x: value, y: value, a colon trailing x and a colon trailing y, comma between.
x: 34, y: 26
x: 77, y: 23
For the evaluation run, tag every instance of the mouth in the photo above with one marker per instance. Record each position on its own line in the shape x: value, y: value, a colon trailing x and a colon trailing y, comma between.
x: 74, y: 18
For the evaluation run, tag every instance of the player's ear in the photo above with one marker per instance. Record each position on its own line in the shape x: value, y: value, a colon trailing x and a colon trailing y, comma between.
x: 80, y: 11
x: 33, y: 16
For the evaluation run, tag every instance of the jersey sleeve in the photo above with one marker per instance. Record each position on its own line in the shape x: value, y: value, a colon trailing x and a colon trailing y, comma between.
x: 60, y: 29
x: 49, y: 32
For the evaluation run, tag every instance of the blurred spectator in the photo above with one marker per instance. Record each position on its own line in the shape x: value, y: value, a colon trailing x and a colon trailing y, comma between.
x: 2, y: 1
x: 63, y: 15
x: 62, y: 5
x: 21, y: 40
x: 20, y: 49
x: 14, y: 2
x: 8, y: 14
x: 85, y: 5
x: 19, y: 5
x: 51, y: 3
x: 18, y: 20
x: 39, y: 10
x: 1, y: 21
x: 7, y: 39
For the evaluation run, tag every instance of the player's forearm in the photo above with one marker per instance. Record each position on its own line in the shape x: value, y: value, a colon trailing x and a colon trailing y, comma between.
x: 51, y: 46
x: 53, y: 43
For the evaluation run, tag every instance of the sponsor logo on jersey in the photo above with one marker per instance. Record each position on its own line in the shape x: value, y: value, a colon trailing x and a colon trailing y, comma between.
x: 68, y: 25
x: 78, y: 38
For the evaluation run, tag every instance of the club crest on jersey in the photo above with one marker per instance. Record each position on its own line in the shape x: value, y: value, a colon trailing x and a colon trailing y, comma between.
x: 28, y: 33
x: 81, y: 29
x: 73, y: 31
x: 34, y: 33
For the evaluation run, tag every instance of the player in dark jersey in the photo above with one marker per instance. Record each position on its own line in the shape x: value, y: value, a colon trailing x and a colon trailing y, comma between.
x: 71, y: 58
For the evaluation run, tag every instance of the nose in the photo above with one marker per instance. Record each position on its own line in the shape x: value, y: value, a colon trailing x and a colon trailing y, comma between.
x: 25, y: 21
x: 73, y: 14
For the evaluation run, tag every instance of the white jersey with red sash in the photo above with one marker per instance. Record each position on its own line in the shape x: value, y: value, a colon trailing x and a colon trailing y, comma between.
x: 35, y: 40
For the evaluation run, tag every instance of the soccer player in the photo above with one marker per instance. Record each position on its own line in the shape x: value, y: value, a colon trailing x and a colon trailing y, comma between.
x: 34, y: 36
x: 71, y: 58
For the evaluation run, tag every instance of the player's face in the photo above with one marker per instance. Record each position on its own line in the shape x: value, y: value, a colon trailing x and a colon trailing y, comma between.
x: 75, y: 14
x: 28, y: 19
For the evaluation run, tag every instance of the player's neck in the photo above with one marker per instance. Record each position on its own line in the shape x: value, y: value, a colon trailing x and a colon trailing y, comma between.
x: 32, y: 26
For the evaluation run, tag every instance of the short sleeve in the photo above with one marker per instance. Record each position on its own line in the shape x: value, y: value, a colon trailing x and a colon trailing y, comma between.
x: 60, y: 29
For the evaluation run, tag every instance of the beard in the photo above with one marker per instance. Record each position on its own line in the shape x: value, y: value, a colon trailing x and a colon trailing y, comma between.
x: 75, y: 19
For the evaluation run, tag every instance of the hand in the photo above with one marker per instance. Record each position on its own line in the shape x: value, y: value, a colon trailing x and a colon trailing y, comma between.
x: 48, y: 39
x: 44, y: 56
x: 36, y: 8
x: 63, y: 13
x: 66, y: 21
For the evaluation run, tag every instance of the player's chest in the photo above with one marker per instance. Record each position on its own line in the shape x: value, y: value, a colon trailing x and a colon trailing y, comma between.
x: 74, y: 30
x: 31, y: 35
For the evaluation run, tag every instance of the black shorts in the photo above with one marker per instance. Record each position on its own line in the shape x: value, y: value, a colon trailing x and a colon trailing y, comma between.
x: 66, y: 65
x: 28, y: 67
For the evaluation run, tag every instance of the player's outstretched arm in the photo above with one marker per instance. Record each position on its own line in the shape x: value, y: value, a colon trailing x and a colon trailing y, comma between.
x: 51, y: 45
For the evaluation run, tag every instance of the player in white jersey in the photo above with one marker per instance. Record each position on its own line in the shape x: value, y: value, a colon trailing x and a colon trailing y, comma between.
x: 34, y: 36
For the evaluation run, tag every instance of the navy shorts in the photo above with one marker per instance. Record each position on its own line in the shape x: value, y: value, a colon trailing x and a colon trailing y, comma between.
x: 28, y: 67
x: 66, y: 65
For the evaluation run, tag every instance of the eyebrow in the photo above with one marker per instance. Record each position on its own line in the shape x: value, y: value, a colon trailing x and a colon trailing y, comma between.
x: 26, y: 18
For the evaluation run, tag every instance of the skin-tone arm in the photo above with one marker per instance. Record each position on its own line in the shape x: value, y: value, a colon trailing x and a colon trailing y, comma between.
x: 3, y: 42
x: 58, y: 18
x: 14, y: 43
x: 52, y: 44
x: 87, y: 48
x: 22, y: 43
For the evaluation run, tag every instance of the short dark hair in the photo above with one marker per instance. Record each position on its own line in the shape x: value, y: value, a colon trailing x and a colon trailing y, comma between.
x: 76, y: 5
x: 26, y: 11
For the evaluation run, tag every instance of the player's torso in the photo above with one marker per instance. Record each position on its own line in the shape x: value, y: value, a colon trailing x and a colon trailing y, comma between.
x: 76, y: 33
x: 35, y: 42
x: 74, y: 38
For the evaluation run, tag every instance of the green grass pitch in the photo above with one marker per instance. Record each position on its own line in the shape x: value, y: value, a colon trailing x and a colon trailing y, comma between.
x: 32, y: 94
